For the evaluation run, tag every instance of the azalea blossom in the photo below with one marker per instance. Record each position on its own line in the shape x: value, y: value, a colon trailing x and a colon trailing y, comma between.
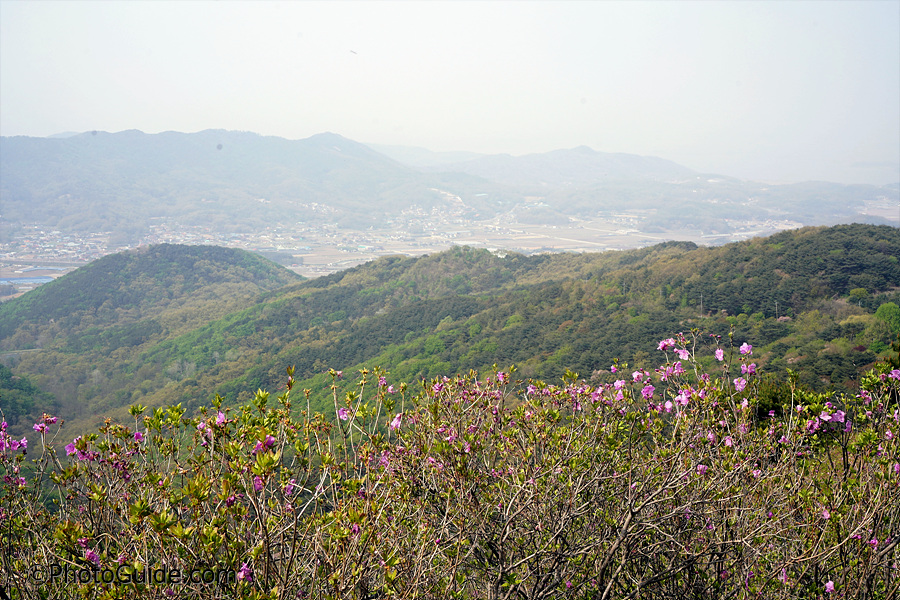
x: 701, y: 469
x: 829, y: 586
x: 746, y: 348
x: 395, y: 423
x: 720, y: 354
x: 70, y: 448
x: 343, y: 414
x: 245, y: 573
x: 683, y: 353
x: 647, y: 391
x: 666, y: 344
x: 740, y: 383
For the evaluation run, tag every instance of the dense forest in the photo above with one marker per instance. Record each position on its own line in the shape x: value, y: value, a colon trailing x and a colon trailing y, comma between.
x: 179, y: 324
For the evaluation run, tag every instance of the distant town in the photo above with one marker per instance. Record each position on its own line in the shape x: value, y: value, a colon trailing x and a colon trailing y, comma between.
x: 36, y: 255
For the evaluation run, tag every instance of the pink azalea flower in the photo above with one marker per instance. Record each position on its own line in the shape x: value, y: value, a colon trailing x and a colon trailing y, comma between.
x: 382, y: 381
x: 683, y: 353
x: 637, y: 376
x: 70, y: 448
x: 395, y: 423
x: 829, y: 586
x: 647, y: 392
x: 746, y: 348
x: 258, y: 483
x: 245, y: 574
x: 391, y: 389
x: 41, y: 427
x: 740, y: 383
x: 343, y: 414
x: 720, y: 354
x: 666, y: 344
x: 701, y: 469
x: 138, y: 437
x: 220, y: 418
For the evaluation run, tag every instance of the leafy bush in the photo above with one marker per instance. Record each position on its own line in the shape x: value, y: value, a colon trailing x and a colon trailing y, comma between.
x: 669, y: 484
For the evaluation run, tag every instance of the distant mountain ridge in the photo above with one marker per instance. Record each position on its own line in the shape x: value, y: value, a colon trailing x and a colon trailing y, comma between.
x: 581, y: 166
x: 240, y: 181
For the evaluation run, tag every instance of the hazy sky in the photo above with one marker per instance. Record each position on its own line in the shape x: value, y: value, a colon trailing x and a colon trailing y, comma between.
x: 773, y: 91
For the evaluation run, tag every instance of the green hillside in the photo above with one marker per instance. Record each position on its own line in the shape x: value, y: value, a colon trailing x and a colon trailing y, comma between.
x: 84, y: 326
x: 816, y: 300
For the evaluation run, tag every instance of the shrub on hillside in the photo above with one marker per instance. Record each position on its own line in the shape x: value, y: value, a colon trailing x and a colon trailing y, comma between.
x: 669, y: 484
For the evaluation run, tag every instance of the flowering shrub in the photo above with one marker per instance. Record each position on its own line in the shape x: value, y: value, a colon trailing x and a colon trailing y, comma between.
x: 656, y: 485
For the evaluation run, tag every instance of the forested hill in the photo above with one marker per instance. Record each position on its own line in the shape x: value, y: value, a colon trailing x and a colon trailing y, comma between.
x: 822, y: 301
x: 164, y: 280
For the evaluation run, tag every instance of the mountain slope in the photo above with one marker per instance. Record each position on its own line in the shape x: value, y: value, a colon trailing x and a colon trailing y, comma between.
x: 231, y: 181
x: 806, y: 299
